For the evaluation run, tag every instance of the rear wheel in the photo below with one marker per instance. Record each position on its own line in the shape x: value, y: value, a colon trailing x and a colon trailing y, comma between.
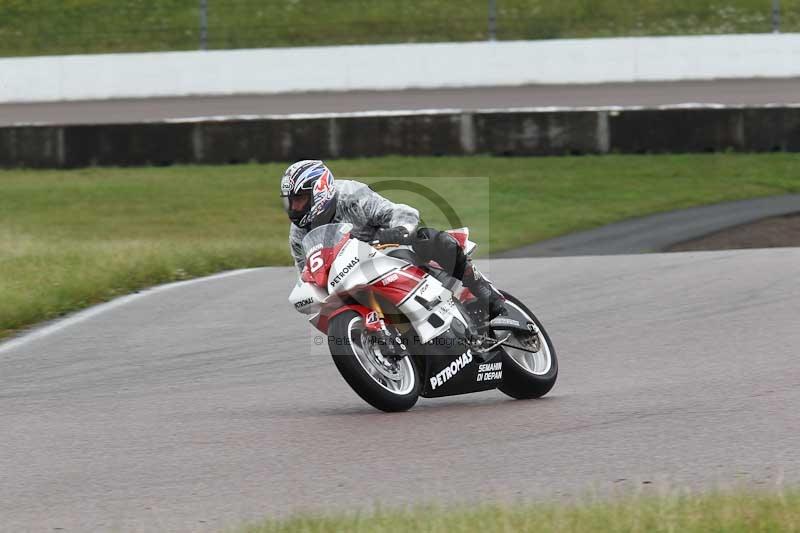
x: 532, y: 372
x: 385, y: 383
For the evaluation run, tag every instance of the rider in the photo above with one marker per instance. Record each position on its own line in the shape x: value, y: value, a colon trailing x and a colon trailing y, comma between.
x: 311, y: 198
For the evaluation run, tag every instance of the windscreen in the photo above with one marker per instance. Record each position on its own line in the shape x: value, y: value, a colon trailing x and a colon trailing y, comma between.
x: 327, y: 236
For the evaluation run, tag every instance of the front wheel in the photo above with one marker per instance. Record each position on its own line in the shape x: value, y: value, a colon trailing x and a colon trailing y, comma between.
x: 385, y: 383
x: 526, y: 374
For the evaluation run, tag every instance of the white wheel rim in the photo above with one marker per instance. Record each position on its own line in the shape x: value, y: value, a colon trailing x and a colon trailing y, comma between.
x: 538, y: 363
x: 398, y: 378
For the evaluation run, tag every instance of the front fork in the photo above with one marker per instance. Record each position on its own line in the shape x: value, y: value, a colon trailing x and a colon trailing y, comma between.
x: 391, y: 342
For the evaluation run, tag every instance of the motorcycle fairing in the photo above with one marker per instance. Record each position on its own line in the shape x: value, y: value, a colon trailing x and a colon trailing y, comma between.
x: 371, y: 265
x: 445, y: 375
x: 354, y: 266
x: 307, y: 298
x: 321, y: 320
x: 424, y: 300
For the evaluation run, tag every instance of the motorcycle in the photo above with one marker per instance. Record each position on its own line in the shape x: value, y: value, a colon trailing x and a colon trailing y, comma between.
x: 398, y: 330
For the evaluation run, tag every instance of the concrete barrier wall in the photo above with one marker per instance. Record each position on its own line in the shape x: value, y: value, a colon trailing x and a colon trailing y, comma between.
x: 509, y: 133
x: 401, y: 66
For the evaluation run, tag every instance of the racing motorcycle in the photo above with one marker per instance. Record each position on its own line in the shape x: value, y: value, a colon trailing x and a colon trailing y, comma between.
x: 398, y: 330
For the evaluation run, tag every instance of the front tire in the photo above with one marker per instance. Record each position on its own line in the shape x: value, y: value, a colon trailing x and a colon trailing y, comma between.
x: 527, y: 375
x: 383, y: 383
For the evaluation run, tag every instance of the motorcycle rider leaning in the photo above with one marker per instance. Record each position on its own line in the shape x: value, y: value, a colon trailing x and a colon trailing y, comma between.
x: 312, y: 198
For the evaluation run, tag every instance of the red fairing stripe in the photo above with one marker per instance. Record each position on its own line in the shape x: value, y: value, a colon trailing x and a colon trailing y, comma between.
x: 406, y: 280
x: 306, y: 274
x: 397, y: 290
x: 412, y: 270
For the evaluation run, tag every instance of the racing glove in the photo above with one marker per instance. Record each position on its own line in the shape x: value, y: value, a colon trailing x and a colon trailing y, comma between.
x: 397, y: 235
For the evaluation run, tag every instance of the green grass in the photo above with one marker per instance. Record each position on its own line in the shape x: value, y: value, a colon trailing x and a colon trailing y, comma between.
x: 37, y: 27
x: 69, y: 239
x: 741, y: 512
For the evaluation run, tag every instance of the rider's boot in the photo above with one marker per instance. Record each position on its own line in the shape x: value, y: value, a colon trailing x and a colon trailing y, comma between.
x: 488, y: 298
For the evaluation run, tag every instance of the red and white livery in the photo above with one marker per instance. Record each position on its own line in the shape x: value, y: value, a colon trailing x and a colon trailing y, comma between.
x: 397, y: 331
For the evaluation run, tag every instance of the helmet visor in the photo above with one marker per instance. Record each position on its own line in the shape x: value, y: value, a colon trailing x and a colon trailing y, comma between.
x: 296, y: 202
x: 300, y: 202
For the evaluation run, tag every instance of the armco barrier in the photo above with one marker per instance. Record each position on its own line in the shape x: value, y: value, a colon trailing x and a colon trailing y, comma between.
x: 513, y: 132
x: 398, y: 66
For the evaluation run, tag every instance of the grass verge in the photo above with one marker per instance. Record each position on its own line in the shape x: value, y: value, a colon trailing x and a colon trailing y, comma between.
x: 69, y: 239
x: 743, y: 512
x: 43, y: 27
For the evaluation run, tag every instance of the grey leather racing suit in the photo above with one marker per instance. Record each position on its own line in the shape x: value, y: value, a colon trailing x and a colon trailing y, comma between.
x: 365, y: 209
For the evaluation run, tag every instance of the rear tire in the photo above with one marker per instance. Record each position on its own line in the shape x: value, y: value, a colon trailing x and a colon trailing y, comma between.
x: 524, y: 380
x: 362, y: 370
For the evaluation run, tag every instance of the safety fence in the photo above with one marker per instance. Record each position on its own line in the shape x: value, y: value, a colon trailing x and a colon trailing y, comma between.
x: 506, y: 133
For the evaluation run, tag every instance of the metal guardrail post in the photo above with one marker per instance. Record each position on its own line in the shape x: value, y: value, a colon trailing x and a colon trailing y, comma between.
x: 492, y: 20
x: 203, y: 24
x: 776, y: 16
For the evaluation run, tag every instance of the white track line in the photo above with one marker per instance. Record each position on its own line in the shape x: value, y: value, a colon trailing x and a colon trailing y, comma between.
x: 437, y: 111
x: 86, y: 314
x: 456, y: 111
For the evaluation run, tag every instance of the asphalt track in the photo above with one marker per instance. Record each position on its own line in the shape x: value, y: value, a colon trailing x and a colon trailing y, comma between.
x: 201, y: 405
x: 729, y: 92
x: 658, y: 232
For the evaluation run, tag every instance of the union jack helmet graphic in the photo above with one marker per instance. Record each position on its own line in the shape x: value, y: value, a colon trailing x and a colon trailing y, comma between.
x: 308, y: 192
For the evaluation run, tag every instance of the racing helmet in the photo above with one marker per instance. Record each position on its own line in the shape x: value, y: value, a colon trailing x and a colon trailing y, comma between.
x: 308, y: 193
